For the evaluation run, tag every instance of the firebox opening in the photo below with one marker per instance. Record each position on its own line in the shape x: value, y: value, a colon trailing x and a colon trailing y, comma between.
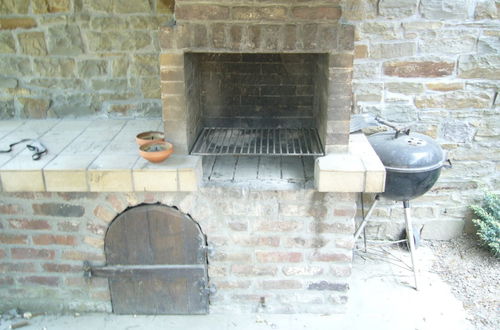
x: 256, y: 104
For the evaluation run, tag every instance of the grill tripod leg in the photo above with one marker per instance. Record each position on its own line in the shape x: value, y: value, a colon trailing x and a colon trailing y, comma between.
x: 365, y: 219
x: 410, y: 239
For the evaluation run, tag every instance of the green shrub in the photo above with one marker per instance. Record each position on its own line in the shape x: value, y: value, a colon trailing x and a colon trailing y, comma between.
x: 488, y: 222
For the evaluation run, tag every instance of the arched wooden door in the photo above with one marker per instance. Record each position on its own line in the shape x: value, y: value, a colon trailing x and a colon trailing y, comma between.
x: 156, y: 262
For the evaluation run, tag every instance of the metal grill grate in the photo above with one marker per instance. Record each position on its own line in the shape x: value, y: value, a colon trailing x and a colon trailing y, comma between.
x: 258, y: 142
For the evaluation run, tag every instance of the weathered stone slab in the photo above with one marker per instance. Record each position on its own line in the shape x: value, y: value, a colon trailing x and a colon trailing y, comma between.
x: 397, y: 8
x: 65, y: 40
x: 404, y: 87
x: 129, y: 7
x: 50, y: 6
x: 423, y: 68
x: 479, y: 66
x: 359, y: 9
x: 14, y: 6
x: 34, y: 108
x: 118, y: 40
x: 454, y: 100
x: 389, y: 50
x: 55, y: 67
x: 8, y: 82
x: 92, y: 68
x: 7, y: 43
x: 486, y: 9
x: 17, y: 23
x: 368, y: 91
x: 32, y: 43
x: 447, y: 42
x: 444, y: 9
x: 14, y: 66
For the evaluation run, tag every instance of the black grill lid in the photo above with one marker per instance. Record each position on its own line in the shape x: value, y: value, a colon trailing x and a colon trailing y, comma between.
x: 410, y: 153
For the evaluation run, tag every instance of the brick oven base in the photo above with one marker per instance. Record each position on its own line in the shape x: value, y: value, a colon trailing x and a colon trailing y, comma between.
x: 293, y: 248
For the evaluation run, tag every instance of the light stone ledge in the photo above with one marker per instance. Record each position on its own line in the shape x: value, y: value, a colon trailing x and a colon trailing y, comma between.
x: 90, y: 155
x: 358, y: 170
x: 102, y: 156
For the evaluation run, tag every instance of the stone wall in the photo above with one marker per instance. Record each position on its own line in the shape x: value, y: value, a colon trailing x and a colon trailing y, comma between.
x: 61, y: 58
x: 433, y: 65
x: 294, y: 248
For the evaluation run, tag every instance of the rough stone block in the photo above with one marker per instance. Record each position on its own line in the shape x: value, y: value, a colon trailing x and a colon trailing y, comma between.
x: 10, y: 7
x: 131, y: 7
x: 397, y: 8
x: 7, y: 43
x: 50, y: 6
x: 360, y: 9
x: 447, y: 42
x: 55, y: 67
x: 408, y: 88
x: 17, y: 23
x: 410, y: 69
x: 401, y: 49
x: 201, y: 12
x: 444, y: 86
x: 360, y: 51
x: 368, y: 92
x: 165, y: 6
x: 92, y: 68
x: 172, y: 60
x: 366, y: 71
x: 34, y: 108
x: 65, y: 40
x: 479, y: 66
x: 341, y: 60
x: 118, y: 40
x: 378, y: 31
x: 317, y: 13
x: 32, y: 43
x: 268, y: 13
x: 454, y: 100
x: 444, y: 9
x: 486, y: 9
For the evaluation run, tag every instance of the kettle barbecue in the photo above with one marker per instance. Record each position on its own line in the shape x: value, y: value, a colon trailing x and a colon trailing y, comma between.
x: 413, y: 163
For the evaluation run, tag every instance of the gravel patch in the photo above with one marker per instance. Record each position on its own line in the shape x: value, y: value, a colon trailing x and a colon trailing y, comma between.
x: 474, y: 275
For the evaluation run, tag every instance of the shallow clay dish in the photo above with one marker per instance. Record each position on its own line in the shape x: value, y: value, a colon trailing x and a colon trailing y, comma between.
x: 150, y: 136
x: 156, y: 152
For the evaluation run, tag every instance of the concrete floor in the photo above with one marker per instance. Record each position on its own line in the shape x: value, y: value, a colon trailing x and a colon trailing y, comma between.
x: 381, y: 297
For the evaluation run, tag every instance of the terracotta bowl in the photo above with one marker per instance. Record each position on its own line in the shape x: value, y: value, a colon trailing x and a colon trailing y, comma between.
x: 150, y: 136
x: 156, y: 152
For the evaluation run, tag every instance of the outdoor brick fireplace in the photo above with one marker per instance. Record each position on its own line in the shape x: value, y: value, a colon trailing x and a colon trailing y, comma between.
x: 281, y: 66
x: 234, y: 64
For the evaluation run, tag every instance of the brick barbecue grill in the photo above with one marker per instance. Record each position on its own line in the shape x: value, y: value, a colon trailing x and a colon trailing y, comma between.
x: 227, y: 64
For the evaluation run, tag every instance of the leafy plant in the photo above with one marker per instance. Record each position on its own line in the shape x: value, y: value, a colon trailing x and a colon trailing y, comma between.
x: 488, y: 222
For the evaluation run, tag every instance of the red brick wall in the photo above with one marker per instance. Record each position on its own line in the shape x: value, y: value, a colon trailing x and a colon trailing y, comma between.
x: 291, y: 247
